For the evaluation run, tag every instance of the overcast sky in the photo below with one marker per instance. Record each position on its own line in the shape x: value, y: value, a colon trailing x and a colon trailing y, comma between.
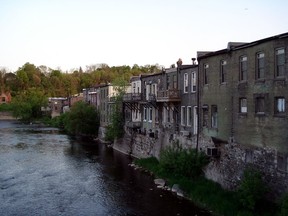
x: 68, y: 34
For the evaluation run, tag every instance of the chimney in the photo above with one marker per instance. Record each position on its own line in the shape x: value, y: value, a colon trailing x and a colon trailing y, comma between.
x: 179, y: 62
x: 193, y: 61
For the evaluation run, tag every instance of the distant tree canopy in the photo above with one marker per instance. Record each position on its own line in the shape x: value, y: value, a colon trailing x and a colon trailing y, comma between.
x: 56, y: 83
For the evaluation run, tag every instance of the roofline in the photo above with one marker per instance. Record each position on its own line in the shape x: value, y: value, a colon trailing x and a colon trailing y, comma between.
x: 243, y: 45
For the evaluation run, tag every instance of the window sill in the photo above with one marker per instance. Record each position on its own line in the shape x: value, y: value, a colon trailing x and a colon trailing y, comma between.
x: 260, y: 114
x: 242, y: 114
x: 260, y: 81
x: 279, y: 115
x: 280, y: 78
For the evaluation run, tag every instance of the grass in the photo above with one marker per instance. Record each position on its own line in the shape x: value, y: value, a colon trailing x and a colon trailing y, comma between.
x: 206, y: 193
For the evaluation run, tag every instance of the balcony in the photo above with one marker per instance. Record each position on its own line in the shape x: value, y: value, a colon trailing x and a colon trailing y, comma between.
x: 133, y: 124
x: 132, y: 97
x: 171, y: 95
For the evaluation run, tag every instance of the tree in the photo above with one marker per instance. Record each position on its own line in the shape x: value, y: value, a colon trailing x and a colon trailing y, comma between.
x: 83, y: 120
x: 27, y: 105
x: 116, y: 128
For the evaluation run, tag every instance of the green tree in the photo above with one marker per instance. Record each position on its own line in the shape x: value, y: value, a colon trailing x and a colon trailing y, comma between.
x: 83, y: 120
x: 27, y: 105
x: 252, y: 189
x: 116, y: 128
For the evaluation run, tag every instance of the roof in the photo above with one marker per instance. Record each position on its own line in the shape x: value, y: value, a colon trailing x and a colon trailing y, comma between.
x: 239, y: 45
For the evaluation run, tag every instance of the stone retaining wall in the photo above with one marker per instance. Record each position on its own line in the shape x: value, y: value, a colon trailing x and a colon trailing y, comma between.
x: 227, y: 168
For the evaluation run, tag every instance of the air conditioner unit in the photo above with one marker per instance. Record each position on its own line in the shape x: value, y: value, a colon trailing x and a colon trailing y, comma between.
x: 213, y: 151
x: 185, y: 133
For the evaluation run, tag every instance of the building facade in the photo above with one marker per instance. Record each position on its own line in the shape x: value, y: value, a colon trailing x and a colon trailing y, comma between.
x: 243, y: 99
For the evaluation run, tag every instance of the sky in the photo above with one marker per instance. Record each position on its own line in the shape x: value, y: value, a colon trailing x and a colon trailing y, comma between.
x: 68, y: 34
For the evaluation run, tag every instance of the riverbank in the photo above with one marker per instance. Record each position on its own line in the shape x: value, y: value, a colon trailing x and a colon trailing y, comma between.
x: 4, y: 115
x: 210, y: 195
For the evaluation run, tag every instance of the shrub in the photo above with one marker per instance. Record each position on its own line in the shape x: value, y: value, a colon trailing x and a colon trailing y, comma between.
x: 182, y: 162
x: 284, y: 205
x: 251, y: 189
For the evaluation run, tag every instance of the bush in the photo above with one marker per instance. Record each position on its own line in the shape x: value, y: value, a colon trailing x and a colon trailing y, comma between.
x: 83, y: 120
x: 182, y: 162
x: 252, y: 189
x: 284, y: 205
x: 5, y: 107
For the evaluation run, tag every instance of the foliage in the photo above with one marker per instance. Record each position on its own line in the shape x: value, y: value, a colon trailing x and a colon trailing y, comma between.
x: 209, y: 194
x: 252, y: 189
x: 56, y: 83
x: 5, y: 107
x: 150, y: 163
x: 182, y: 162
x: 27, y: 105
x: 83, y: 119
x: 116, y: 127
x: 284, y: 205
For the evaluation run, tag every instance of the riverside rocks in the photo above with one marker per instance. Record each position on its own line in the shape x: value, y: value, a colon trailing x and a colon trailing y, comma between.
x: 161, y: 183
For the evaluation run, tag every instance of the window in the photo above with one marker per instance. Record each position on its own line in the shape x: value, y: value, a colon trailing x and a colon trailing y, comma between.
x: 260, y: 106
x: 3, y: 99
x: 205, y: 115
x: 168, y: 82
x: 206, y: 66
x: 280, y: 62
x: 243, y: 105
x: 214, y: 116
x: 185, y: 83
x: 193, y: 82
x: 134, y: 87
x: 145, y: 114
x: 282, y: 161
x: 183, y: 115
x: 174, y: 81
x: 260, y: 66
x: 279, y: 105
x: 249, y: 156
x: 195, y: 119
x: 168, y: 116
x: 243, y: 68
x: 223, y: 71
x: 189, y: 116
x: 150, y: 114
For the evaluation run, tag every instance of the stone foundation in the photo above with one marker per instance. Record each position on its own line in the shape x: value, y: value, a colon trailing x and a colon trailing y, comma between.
x: 226, y: 168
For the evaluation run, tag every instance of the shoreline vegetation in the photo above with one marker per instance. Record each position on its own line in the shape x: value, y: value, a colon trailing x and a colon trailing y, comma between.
x: 177, y: 166
x: 248, y: 200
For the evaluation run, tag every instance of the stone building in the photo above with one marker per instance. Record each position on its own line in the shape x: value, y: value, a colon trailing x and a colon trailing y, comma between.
x: 188, y: 105
x: 243, y: 116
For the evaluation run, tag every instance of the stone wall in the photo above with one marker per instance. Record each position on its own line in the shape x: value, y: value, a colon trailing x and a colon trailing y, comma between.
x: 227, y: 168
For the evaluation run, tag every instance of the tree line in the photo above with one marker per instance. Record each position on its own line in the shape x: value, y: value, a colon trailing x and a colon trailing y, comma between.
x: 56, y: 83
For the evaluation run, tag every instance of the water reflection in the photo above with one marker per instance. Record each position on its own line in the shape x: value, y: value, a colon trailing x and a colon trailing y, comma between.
x: 48, y: 173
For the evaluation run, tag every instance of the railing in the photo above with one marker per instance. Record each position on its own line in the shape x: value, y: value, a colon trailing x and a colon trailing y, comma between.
x: 128, y: 97
x: 168, y: 95
x: 152, y: 97
x: 133, y: 124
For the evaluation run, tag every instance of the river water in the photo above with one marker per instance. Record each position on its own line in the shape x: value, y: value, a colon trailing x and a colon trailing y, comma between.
x: 44, y: 172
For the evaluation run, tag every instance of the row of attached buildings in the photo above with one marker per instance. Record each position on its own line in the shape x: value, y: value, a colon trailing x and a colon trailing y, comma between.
x: 231, y: 104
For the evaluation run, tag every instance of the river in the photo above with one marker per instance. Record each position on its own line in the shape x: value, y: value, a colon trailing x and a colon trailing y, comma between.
x: 44, y: 172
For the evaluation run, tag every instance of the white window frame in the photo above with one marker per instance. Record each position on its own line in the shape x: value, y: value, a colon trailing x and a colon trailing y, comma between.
x: 243, y: 105
x: 186, y: 77
x: 280, y: 105
x: 214, y: 116
x: 193, y: 81
x: 195, y: 120
x: 145, y: 114
x: 150, y: 114
x: 189, y: 116
x: 183, y: 117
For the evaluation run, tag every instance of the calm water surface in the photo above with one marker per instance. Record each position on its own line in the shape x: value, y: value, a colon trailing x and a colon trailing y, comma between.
x: 44, y: 172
